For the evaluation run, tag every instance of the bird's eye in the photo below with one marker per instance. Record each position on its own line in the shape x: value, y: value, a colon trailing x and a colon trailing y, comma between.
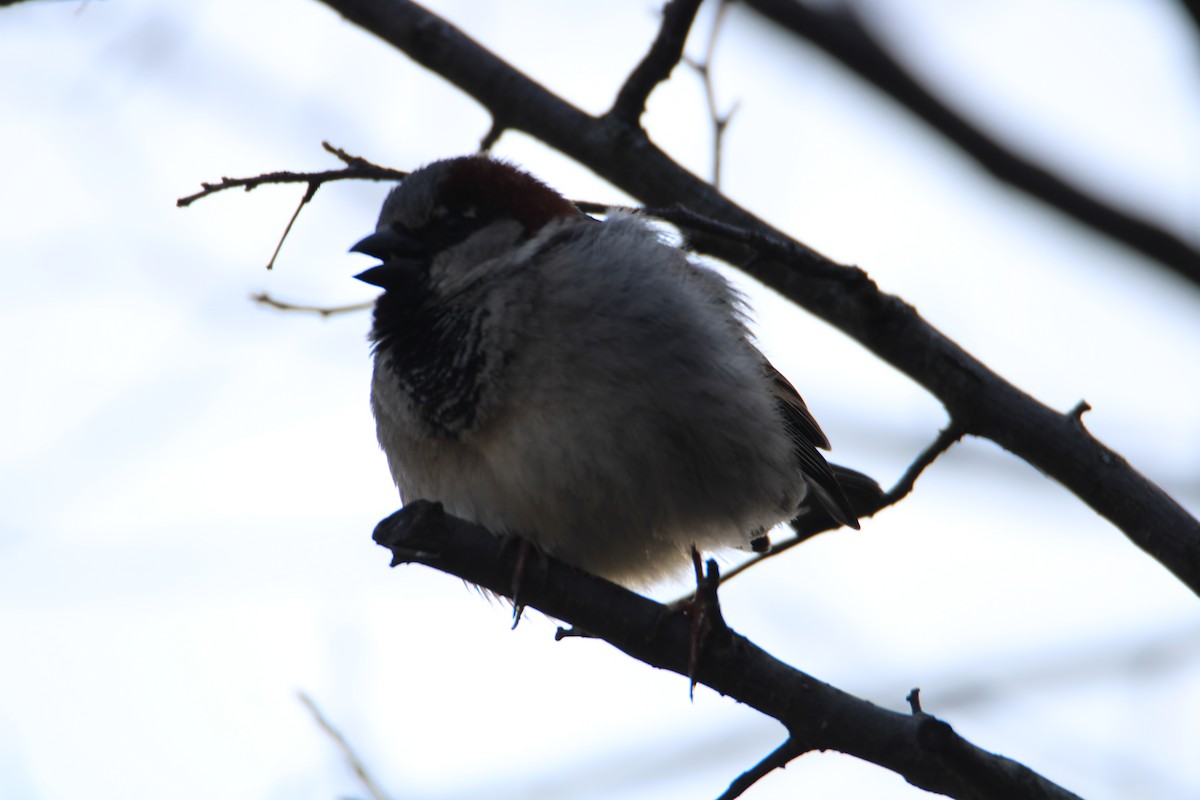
x: 447, y: 227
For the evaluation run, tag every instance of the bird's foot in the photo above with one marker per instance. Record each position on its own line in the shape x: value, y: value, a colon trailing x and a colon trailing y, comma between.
x: 525, y: 547
x: 703, y: 610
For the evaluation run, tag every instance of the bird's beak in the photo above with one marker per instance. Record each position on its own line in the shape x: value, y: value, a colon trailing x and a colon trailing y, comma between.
x: 395, y: 274
x: 389, y: 243
x: 403, y: 257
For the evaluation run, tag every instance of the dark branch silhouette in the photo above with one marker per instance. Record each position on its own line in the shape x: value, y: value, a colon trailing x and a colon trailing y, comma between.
x: 837, y: 31
x: 924, y: 750
x: 660, y: 61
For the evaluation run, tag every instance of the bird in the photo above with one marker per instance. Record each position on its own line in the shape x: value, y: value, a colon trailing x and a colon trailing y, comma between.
x: 583, y: 384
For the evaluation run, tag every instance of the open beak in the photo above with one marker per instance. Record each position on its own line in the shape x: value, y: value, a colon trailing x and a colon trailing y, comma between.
x: 403, y: 257
x: 389, y: 243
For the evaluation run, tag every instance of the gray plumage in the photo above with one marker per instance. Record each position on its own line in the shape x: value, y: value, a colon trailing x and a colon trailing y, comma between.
x: 579, y: 383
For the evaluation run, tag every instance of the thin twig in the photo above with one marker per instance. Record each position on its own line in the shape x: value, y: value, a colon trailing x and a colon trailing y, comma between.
x: 778, y: 759
x: 948, y: 436
x: 308, y: 196
x: 704, y: 68
x: 249, y: 184
x: 351, y: 160
x: 356, y: 169
x: 325, y: 311
x: 352, y: 759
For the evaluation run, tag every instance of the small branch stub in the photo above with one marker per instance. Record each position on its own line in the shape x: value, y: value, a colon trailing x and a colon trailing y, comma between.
x: 656, y: 67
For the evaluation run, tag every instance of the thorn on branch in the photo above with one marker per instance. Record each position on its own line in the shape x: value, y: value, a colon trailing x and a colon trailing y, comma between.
x: 659, y: 61
x: 573, y: 632
x: 913, y: 698
x: 492, y: 136
x: 1076, y: 413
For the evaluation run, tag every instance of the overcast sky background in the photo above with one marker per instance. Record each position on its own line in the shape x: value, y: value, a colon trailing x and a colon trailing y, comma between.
x: 189, y: 481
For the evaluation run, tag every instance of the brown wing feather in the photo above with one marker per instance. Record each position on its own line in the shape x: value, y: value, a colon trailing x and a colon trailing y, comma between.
x: 806, y: 437
x: 795, y: 412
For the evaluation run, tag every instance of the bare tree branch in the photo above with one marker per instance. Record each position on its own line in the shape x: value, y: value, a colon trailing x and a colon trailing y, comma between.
x: 703, y: 66
x: 660, y: 61
x: 923, y: 749
x: 837, y: 31
x: 979, y: 401
x: 357, y: 169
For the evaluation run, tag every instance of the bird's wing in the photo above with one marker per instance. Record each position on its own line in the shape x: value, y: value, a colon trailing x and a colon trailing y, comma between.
x: 806, y: 436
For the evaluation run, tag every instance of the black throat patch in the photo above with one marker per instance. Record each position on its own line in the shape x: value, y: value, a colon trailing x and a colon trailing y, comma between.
x: 434, y: 351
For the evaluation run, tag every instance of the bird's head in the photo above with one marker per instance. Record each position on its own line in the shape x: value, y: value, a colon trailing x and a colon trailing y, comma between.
x: 443, y: 205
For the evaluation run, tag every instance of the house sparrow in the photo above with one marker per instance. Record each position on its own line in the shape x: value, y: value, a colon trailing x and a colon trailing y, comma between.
x: 578, y: 383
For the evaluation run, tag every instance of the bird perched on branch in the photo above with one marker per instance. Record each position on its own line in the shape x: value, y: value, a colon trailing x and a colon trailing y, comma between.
x: 578, y: 383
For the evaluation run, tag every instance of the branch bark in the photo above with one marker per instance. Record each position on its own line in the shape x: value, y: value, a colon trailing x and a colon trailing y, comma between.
x: 924, y: 750
x: 979, y: 401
